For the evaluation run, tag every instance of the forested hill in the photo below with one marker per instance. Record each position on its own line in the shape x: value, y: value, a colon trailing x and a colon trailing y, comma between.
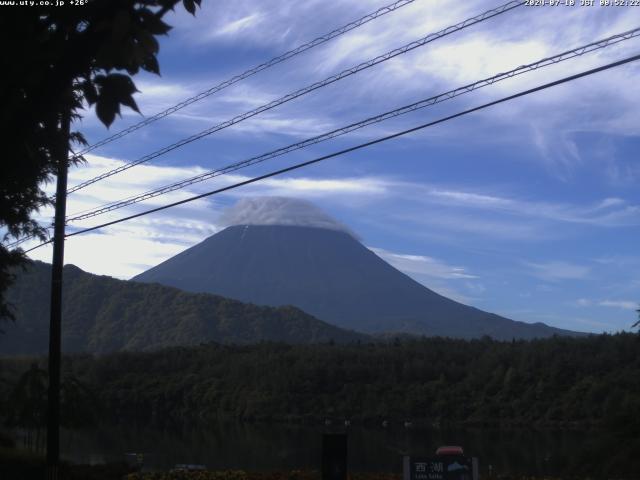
x: 558, y: 381
x: 103, y: 314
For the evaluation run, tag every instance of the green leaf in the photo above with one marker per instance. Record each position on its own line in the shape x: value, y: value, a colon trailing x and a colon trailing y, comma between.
x: 78, y: 138
x: 153, y: 24
x: 130, y: 102
x: 148, y: 42
x: 121, y: 25
x: 115, y: 89
x: 190, y: 6
x: 106, y: 109
x: 89, y: 91
x: 150, y: 64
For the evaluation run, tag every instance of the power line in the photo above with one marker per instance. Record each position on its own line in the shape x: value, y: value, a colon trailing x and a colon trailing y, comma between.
x: 231, y: 81
x: 235, y: 79
x: 360, y: 146
x: 252, y: 71
x: 303, y: 91
x: 20, y: 241
x: 597, y: 45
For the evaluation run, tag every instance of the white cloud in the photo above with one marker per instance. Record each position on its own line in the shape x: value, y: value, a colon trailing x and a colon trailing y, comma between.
x: 268, y: 22
x: 610, y: 212
x: 119, y: 253
x: 279, y: 211
x: 472, y: 199
x: 620, y: 304
x: 146, y: 177
x: 237, y: 26
x: 450, y: 292
x: 226, y: 38
x: 558, y: 270
x: 610, y: 202
x: 437, y: 275
x: 547, y: 121
x: 450, y: 210
x: 623, y: 304
x: 620, y: 261
x: 128, y: 248
x: 437, y: 221
x: 156, y: 94
x: 132, y: 182
x: 422, y: 265
x: 471, y: 59
x: 158, y: 236
x: 320, y: 187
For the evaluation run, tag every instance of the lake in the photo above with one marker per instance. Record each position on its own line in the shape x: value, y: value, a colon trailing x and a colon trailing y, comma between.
x: 283, y: 447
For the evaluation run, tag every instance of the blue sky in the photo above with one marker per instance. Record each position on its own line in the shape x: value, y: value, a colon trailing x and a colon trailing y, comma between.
x: 530, y: 209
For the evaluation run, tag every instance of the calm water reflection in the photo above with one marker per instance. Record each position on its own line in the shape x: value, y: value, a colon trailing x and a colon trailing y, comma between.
x: 276, y: 447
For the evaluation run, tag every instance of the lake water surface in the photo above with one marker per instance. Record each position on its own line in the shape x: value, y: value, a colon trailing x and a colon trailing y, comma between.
x: 284, y: 447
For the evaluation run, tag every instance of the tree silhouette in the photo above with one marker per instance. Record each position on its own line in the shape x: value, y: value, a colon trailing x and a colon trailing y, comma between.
x: 27, y: 405
x: 56, y: 61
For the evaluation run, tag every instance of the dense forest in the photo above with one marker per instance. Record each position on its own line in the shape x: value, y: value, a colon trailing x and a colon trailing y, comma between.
x: 589, y: 383
x: 562, y: 381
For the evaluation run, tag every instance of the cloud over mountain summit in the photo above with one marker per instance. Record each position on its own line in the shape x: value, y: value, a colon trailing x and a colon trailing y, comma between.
x: 280, y: 211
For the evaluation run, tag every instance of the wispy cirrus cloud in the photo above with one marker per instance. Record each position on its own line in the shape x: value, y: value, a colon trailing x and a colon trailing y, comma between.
x: 451, y: 281
x: 450, y: 209
x: 547, y: 122
x: 423, y: 265
x: 608, y: 212
x: 556, y: 271
x: 268, y: 22
x: 154, y: 238
x: 234, y: 27
x: 619, y: 304
x: 551, y: 169
x: 623, y: 304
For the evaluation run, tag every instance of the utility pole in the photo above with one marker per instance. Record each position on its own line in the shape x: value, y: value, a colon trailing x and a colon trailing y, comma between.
x: 55, y: 335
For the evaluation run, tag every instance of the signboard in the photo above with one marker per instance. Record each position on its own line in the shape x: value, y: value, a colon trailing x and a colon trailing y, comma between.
x: 446, y: 467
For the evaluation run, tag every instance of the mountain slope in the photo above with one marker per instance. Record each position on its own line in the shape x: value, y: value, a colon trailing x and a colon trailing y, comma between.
x: 102, y: 314
x: 331, y: 275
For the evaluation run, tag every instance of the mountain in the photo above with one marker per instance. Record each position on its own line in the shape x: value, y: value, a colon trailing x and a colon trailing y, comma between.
x: 102, y: 314
x: 331, y: 275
